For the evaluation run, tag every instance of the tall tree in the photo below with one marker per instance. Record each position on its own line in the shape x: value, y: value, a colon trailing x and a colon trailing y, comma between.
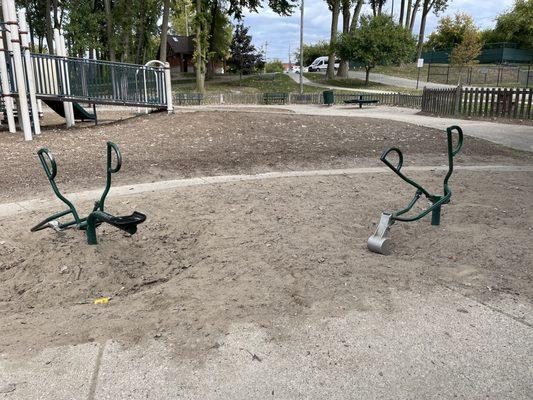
x: 49, y: 29
x: 243, y: 54
x: 515, y: 26
x: 109, y: 30
x: 343, y: 65
x: 402, y: 12
x: 379, y: 40
x: 451, y: 32
x: 199, y: 48
x: 466, y: 52
x: 427, y: 6
x: 334, y: 6
x: 164, y: 31
x: 355, y: 16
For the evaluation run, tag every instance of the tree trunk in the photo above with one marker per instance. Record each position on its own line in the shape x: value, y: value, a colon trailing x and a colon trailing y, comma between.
x: 413, y: 15
x: 402, y: 11
x: 57, y: 25
x: 200, y: 79
x: 109, y: 30
x: 140, y: 34
x: 425, y: 11
x: 164, y: 32
x: 211, y: 45
x: 343, y: 67
x: 355, y: 16
x: 330, y: 73
x: 367, y: 76
x: 49, y: 30
x: 408, y: 13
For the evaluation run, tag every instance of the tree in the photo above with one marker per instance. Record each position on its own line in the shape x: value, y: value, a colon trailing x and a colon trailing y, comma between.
x: 164, y: 31
x: 109, y: 30
x: 274, y: 67
x: 334, y: 6
x: 379, y: 40
x: 466, y: 52
x: 377, y: 6
x: 243, y: 56
x: 343, y: 65
x: 451, y: 31
x: 313, y: 51
x: 427, y: 6
x: 515, y: 26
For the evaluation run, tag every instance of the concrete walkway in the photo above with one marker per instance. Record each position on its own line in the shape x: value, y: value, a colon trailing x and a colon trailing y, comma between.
x: 439, y: 345
x: 519, y: 137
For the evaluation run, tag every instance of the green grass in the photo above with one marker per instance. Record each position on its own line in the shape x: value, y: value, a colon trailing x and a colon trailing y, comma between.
x: 355, y: 83
x: 409, y: 71
x: 253, y: 84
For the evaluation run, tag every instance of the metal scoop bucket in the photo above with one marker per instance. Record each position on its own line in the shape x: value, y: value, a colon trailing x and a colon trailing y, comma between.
x: 380, y: 241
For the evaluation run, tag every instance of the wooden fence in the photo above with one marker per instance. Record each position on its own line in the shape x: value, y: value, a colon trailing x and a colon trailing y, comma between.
x: 515, y: 103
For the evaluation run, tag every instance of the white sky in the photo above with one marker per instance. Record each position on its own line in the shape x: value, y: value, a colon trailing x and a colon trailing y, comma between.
x: 280, y: 32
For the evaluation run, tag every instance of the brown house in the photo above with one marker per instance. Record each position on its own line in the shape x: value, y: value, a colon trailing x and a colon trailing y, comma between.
x: 180, y: 50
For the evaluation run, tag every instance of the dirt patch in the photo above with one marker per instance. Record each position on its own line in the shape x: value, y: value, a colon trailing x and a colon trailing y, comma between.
x: 248, y: 252
x: 161, y: 146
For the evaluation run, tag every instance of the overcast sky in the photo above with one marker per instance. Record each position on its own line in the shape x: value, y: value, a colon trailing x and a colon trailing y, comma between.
x: 280, y: 32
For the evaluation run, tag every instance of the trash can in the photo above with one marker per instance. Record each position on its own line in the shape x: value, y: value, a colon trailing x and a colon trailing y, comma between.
x: 329, y: 99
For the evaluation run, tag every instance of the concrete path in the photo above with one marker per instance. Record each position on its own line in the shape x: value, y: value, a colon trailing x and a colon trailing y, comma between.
x: 512, y: 135
x: 435, y: 345
x: 21, y: 207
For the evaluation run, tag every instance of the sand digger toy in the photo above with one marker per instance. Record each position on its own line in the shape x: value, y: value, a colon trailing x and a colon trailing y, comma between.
x: 380, y: 241
x: 98, y: 215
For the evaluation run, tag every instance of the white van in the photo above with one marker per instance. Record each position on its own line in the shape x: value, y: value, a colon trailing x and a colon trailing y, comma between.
x: 321, y: 64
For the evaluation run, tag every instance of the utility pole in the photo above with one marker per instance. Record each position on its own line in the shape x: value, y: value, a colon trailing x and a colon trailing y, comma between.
x: 302, y: 47
x: 265, y: 66
x: 290, y: 64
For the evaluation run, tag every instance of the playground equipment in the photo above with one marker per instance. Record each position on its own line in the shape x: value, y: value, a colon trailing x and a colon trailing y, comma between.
x: 26, y: 77
x: 98, y: 215
x: 380, y: 241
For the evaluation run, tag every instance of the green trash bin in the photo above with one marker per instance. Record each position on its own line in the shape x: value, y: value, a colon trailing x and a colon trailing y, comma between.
x: 329, y: 99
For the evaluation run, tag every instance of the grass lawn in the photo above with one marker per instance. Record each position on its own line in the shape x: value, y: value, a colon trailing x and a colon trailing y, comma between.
x: 355, y: 83
x: 409, y: 71
x: 249, y: 84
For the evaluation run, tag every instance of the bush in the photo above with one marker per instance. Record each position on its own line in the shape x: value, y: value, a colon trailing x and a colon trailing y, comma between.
x: 274, y: 66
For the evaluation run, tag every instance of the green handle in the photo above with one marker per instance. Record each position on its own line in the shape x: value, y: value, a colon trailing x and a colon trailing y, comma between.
x: 110, y: 148
x: 50, y: 174
x: 384, y: 155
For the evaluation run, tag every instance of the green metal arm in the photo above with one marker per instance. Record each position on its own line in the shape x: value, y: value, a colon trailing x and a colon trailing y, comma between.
x: 111, y: 148
x: 50, y: 169
x: 436, y: 200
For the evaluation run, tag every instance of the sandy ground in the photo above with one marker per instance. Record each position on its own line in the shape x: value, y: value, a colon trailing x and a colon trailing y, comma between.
x: 161, y: 146
x: 211, y: 256
x: 273, y: 254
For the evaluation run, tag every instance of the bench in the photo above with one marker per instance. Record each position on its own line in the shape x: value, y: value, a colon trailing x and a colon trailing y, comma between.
x: 280, y: 98
x: 189, y: 98
x: 361, y: 101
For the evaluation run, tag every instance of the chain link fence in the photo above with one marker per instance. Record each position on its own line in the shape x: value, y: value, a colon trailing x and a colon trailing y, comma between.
x: 480, y: 75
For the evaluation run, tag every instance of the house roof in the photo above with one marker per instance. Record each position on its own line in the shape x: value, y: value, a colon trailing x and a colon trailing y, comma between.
x: 180, y: 44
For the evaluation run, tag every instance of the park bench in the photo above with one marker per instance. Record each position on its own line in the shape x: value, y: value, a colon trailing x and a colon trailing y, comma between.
x: 361, y: 101
x: 189, y: 98
x: 271, y: 98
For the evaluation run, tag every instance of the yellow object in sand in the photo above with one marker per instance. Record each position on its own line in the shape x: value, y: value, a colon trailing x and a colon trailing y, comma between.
x: 102, y: 300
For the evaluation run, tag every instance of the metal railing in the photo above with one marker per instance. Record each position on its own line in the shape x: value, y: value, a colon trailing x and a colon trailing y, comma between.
x: 95, y: 81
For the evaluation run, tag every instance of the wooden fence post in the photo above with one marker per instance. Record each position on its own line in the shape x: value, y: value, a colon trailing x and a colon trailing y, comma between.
x: 457, y: 103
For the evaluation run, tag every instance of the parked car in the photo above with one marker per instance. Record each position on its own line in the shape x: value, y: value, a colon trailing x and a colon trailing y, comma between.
x: 296, y: 69
x: 321, y: 64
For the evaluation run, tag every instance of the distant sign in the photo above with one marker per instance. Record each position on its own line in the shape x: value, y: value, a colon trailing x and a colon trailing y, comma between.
x: 420, y: 63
